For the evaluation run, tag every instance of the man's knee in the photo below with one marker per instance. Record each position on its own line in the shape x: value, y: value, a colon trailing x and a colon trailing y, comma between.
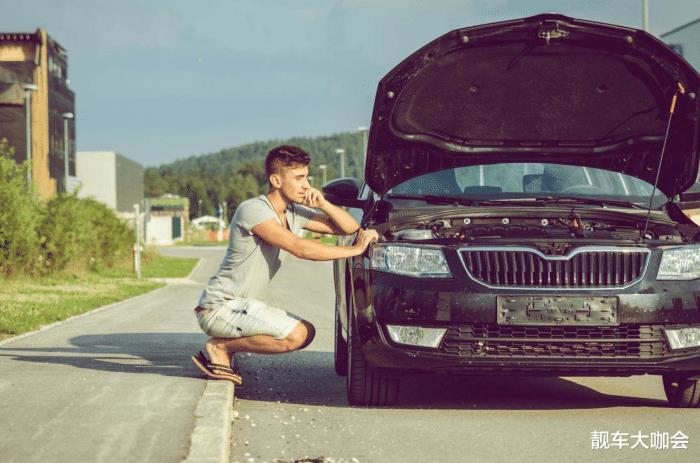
x: 301, y: 336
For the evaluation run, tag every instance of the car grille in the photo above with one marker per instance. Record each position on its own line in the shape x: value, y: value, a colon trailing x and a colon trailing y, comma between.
x: 492, y: 340
x: 526, y: 268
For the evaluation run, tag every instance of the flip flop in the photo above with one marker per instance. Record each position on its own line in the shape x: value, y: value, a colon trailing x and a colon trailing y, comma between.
x: 234, y: 364
x: 216, y: 371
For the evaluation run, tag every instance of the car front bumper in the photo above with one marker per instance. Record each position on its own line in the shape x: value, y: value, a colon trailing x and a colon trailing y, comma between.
x: 476, y: 342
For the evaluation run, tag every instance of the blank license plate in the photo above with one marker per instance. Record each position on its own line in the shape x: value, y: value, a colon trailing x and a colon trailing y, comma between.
x: 555, y: 310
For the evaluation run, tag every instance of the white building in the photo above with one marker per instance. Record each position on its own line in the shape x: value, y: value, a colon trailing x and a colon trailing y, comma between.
x: 685, y: 40
x: 110, y: 178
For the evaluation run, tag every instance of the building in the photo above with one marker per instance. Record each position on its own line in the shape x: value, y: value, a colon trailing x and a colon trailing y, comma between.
x: 166, y: 220
x: 685, y: 40
x: 110, y: 178
x: 34, y: 85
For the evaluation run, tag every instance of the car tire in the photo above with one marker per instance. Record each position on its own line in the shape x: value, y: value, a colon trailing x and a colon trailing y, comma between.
x: 682, y: 392
x: 368, y: 386
x: 340, y: 350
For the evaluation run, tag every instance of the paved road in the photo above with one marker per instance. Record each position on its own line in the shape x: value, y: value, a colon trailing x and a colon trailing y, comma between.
x: 116, y: 385
x: 293, y: 406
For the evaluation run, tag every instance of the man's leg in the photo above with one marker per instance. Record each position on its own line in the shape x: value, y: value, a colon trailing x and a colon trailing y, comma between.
x: 221, y: 350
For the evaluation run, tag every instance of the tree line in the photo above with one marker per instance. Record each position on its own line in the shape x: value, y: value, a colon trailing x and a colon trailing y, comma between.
x: 233, y: 175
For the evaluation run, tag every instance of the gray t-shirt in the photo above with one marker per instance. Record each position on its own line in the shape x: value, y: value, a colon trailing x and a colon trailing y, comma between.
x: 250, y: 262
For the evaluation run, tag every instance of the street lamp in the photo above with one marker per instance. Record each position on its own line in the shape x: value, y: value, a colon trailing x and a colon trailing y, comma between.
x: 28, y: 89
x: 323, y: 169
x: 645, y: 15
x: 66, y: 118
x: 365, y: 134
x: 341, y: 152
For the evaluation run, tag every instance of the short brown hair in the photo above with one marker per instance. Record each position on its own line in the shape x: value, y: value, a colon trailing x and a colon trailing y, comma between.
x: 285, y: 156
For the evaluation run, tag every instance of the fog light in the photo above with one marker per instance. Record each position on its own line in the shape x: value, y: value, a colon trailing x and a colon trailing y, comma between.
x: 416, y: 335
x: 682, y: 338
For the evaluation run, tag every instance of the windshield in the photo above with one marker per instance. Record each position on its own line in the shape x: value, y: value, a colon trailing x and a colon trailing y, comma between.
x: 530, y: 180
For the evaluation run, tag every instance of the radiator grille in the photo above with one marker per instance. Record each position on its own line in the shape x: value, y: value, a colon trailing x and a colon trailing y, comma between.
x: 522, y: 267
x: 492, y: 340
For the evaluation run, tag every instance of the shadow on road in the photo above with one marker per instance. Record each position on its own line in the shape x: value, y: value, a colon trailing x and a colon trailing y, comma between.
x: 152, y: 353
x: 309, y: 378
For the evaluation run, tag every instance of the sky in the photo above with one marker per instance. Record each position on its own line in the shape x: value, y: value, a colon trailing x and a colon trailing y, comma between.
x: 161, y: 80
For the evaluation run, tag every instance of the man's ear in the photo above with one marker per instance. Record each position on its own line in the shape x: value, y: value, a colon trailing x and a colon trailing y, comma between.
x: 275, y: 180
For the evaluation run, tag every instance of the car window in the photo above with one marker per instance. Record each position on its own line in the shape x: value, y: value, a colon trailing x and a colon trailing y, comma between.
x: 528, y: 179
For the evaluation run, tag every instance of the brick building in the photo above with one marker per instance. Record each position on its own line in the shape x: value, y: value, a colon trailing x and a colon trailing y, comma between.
x: 34, y: 80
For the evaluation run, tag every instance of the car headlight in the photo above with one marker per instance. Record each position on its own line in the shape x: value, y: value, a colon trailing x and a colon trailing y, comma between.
x: 417, y: 261
x: 680, y: 264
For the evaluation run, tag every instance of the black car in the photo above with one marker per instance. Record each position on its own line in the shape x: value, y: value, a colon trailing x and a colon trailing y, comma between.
x: 525, y: 178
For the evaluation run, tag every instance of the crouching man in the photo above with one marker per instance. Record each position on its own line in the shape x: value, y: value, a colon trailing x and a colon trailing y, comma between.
x: 229, y: 309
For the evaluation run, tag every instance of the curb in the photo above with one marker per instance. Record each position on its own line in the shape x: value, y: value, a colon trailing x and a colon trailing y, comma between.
x: 84, y: 314
x: 194, y: 269
x: 167, y: 281
x: 211, y: 437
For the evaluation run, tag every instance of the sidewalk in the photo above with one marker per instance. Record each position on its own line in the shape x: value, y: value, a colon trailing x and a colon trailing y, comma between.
x: 114, y: 385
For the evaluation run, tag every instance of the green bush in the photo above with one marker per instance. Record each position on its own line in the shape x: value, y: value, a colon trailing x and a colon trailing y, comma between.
x: 65, y: 233
x: 82, y: 234
x: 20, y: 214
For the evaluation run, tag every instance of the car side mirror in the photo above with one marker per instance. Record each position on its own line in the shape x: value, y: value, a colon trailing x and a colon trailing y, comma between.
x: 343, y: 192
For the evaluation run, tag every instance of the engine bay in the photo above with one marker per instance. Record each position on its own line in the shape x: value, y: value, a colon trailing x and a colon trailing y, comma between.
x: 571, y: 226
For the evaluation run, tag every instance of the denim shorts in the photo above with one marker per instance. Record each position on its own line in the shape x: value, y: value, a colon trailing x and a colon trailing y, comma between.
x: 240, y: 317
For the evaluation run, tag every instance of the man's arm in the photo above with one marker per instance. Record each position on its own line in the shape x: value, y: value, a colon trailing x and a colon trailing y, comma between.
x: 275, y: 234
x: 333, y: 220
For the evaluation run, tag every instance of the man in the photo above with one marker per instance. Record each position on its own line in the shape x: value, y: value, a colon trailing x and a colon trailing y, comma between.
x: 229, y: 309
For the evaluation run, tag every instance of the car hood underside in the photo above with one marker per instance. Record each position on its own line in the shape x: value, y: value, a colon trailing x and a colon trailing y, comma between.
x: 543, y: 89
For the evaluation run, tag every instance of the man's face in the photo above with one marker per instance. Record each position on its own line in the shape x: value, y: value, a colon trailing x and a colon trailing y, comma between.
x: 294, y: 182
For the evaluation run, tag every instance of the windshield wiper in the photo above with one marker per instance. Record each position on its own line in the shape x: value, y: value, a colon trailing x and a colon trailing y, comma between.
x: 436, y: 199
x: 593, y: 201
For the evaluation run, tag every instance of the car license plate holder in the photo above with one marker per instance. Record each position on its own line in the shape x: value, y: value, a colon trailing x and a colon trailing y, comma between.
x: 558, y: 310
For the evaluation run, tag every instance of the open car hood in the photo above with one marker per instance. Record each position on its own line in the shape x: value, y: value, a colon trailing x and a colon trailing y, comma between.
x: 542, y: 89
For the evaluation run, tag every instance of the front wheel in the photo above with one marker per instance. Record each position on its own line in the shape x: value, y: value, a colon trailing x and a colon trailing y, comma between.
x: 366, y: 385
x: 682, y: 392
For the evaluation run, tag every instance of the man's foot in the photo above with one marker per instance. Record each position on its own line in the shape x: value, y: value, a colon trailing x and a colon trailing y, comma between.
x: 216, y: 352
x: 216, y: 371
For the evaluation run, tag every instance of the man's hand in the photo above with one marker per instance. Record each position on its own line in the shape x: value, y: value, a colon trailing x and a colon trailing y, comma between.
x: 314, y: 198
x: 363, y: 239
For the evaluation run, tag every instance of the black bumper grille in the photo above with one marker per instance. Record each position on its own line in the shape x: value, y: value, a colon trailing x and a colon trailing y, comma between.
x: 492, y: 340
x: 510, y: 268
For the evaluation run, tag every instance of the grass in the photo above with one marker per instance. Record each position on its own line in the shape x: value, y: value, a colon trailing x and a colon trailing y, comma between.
x: 325, y: 239
x: 27, y: 304
x: 200, y: 243
x: 155, y: 266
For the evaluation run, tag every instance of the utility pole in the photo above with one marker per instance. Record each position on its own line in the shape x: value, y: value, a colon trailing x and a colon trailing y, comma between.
x: 220, y: 231
x: 645, y: 15
x: 365, y: 136
x: 28, y: 89
x: 66, y: 150
x: 137, y: 246
x: 323, y: 168
x: 341, y: 152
